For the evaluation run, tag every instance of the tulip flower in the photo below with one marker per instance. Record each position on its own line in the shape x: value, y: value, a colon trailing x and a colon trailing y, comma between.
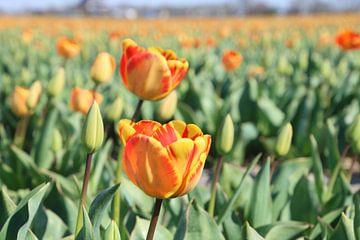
x: 231, y: 60
x: 103, y: 68
x: 348, y: 39
x: 81, y: 99
x: 151, y: 73
x: 24, y: 100
x: 165, y: 161
x: 68, y: 48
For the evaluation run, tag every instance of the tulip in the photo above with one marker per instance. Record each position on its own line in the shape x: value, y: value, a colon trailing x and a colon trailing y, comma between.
x: 284, y: 139
x: 68, y: 48
x: 167, y: 107
x: 93, y: 129
x: 347, y: 39
x: 113, y: 112
x: 225, y: 136
x: 151, y: 73
x: 165, y: 161
x: 231, y: 60
x: 57, y: 83
x: 24, y: 100
x: 81, y: 99
x: 103, y: 68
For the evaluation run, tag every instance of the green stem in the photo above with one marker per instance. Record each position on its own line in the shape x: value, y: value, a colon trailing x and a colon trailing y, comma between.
x: 117, y: 199
x: 20, y: 132
x: 83, y: 193
x: 214, y: 186
x: 154, y: 219
x: 137, y: 110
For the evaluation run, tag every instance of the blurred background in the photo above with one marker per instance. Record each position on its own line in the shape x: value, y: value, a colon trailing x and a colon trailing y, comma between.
x: 163, y: 8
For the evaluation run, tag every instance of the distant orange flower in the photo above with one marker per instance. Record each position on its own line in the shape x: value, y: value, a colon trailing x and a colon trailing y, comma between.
x: 67, y: 48
x: 24, y: 100
x: 210, y: 42
x: 255, y: 70
x: 231, y: 60
x: 348, y: 39
x: 151, y: 73
x: 82, y: 99
x: 165, y: 161
x: 27, y: 36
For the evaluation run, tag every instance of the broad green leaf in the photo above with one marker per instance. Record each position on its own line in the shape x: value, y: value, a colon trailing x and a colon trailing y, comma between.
x: 87, y: 230
x: 287, y: 230
x: 327, y: 219
x: 18, y: 224
x: 271, y: 112
x: 196, y: 224
x: 47, y: 225
x: 260, y: 206
x: 98, y: 207
x: 344, y: 230
x: 250, y: 233
x: 112, y: 232
x: 141, y: 229
x: 317, y: 168
x: 7, y: 206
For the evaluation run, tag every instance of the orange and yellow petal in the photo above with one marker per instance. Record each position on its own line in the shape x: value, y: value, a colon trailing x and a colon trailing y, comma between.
x: 166, y: 134
x: 18, y: 101
x: 148, y: 75
x: 186, y: 130
x: 147, y: 165
x: 178, y: 69
x: 126, y: 129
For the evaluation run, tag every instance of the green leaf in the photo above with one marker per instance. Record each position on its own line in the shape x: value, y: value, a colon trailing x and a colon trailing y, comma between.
x: 344, y: 230
x: 18, y: 224
x: 331, y: 151
x: 326, y: 219
x: 357, y: 215
x: 48, y: 225
x: 317, y: 168
x: 196, y: 224
x: 42, y: 150
x: 287, y: 230
x: 271, y: 112
x: 7, y: 206
x: 112, y: 232
x: 250, y: 234
x: 87, y: 230
x: 230, y: 204
x: 260, y: 206
x: 141, y: 229
x: 99, y: 205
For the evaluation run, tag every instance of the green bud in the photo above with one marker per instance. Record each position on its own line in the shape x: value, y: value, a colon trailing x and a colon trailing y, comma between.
x: 225, y: 136
x: 283, y: 142
x: 34, y: 95
x: 326, y: 69
x: 93, y: 129
x: 114, y: 110
x: 353, y: 131
x: 304, y: 60
x: 168, y: 106
x: 56, y: 84
x: 284, y: 67
x: 112, y: 232
x: 56, y: 141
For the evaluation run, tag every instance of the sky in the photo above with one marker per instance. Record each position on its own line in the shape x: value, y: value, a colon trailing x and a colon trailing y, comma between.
x: 21, y: 5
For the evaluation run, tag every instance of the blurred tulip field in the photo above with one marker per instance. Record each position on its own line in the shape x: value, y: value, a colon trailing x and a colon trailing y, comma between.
x: 197, y: 129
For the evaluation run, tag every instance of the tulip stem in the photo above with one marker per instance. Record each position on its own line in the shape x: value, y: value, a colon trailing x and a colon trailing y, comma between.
x: 20, y: 132
x: 154, y: 219
x: 137, y: 110
x: 83, y: 192
x: 117, y: 198
x: 214, y: 186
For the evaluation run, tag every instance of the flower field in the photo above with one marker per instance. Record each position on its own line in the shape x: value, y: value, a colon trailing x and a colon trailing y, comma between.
x: 223, y: 128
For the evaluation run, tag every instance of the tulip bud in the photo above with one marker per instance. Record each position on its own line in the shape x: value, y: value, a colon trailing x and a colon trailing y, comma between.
x: 56, y: 141
x: 56, y: 84
x: 93, y: 129
x: 168, y: 106
x: 34, y: 95
x: 284, y: 67
x: 225, y: 136
x: 113, y: 112
x: 103, y: 68
x: 283, y: 142
x: 353, y: 131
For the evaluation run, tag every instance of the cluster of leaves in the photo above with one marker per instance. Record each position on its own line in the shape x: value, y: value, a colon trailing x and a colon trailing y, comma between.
x: 307, y: 193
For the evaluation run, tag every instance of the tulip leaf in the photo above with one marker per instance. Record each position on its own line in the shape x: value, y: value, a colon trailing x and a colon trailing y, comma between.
x: 87, y: 230
x: 329, y: 218
x: 112, y: 232
x: 196, y: 224
x: 99, y: 206
x: 141, y: 229
x: 344, y: 230
x: 18, y: 224
x: 357, y: 215
x: 7, y: 206
x: 261, y: 204
x: 251, y: 233
x: 287, y: 230
x: 317, y: 168
x: 271, y: 112
x: 48, y: 225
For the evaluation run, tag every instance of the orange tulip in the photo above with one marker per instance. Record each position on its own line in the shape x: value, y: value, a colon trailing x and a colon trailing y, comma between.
x: 103, y: 67
x: 151, y: 73
x: 231, y: 60
x: 67, y: 48
x: 348, y: 39
x: 82, y: 99
x: 165, y: 161
x: 24, y: 100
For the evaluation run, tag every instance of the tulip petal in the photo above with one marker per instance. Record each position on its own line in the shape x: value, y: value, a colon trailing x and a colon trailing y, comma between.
x: 166, y: 134
x: 126, y: 129
x: 186, y: 131
x: 195, y: 165
x: 130, y: 48
x: 178, y: 70
x: 143, y: 72
x: 147, y: 165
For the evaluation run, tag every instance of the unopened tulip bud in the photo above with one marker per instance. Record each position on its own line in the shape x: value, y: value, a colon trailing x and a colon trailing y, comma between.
x: 353, y: 131
x: 225, y: 136
x: 113, y: 112
x: 93, y: 129
x: 168, y: 106
x: 34, y: 95
x: 56, y: 84
x: 103, y: 68
x: 56, y: 141
x: 283, y: 142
